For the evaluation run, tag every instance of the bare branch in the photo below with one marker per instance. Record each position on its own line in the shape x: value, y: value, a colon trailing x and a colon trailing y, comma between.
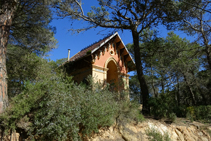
x: 80, y: 6
x: 191, y: 26
x: 134, y: 14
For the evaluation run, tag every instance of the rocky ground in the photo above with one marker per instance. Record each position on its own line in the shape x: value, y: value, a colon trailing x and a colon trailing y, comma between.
x: 180, y: 130
x: 126, y: 130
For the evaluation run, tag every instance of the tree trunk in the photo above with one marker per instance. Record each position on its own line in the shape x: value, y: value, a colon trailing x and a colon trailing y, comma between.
x: 162, y: 82
x: 139, y: 68
x: 208, y: 56
x: 200, y: 91
x: 189, y: 88
x: 5, y: 23
x: 178, y: 91
x: 153, y: 87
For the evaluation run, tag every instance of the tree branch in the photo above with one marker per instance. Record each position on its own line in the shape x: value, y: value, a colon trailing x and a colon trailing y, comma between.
x: 191, y: 26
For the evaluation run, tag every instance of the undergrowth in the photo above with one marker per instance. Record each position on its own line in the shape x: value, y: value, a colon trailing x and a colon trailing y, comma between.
x: 155, y: 135
x: 53, y: 107
x: 202, y: 113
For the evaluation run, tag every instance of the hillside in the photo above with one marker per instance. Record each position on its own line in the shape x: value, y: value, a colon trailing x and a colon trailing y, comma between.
x: 180, y: 130
x: 148, y: 130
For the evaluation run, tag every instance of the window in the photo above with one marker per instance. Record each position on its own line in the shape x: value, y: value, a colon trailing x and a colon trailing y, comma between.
x: 111, y: 52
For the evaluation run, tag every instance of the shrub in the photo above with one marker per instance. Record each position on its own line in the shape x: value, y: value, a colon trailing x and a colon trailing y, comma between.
x: 172, y: 117
x: 129, y: 110
x: 98, y: 108
x: 54, y: 108
x: 199, y: 113
x: 156, y: 135
x: 163, y: 107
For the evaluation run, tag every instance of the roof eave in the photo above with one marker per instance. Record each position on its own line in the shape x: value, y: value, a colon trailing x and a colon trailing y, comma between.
x: 116, y: 33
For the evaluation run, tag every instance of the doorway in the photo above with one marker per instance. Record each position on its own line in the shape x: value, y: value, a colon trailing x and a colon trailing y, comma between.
x: 112, y: 76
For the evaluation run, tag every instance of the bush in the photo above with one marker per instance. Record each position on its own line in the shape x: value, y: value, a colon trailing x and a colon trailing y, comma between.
x: 98, y: 108
x: 199, y: 113
x: 54, y: 108
x: 163, y: 107
x: 172, y: 117
x: 129, y: 110
x: 156, y: 135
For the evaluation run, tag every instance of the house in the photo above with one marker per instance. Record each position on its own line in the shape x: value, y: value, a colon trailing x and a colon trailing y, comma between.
x: 107, y: 61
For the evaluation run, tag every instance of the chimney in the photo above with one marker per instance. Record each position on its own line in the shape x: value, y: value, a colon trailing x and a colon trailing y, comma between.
x: 68, y: 55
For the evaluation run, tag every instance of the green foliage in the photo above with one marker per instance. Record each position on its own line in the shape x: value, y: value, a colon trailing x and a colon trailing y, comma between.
x: 22, y: 66
x: 156, y: 135
x: 163, y: 107
x: 126, y: 15
x: 172, y: 117
x: 173, y: 74
x: 130, y: 111
x: 98, y: 108
x: 51, y: 107
x: 27, y: 27
x: 109, y: 14
x: 47, y: 105
x: 57, y: 108
x: 57, y: 65
x: 134, y: 88
x: 30, y: 27
x: 159, y: 106
x: 88, y: 52
x: 202, y: 113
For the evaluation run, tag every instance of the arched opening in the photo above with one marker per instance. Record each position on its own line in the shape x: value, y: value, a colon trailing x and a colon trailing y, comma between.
x: 112, y: 76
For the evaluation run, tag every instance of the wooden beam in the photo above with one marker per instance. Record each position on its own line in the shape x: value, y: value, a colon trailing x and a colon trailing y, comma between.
x: 118, y: 44
x: 126, y: 56
x: 113, y: 39
x: 121, y: 51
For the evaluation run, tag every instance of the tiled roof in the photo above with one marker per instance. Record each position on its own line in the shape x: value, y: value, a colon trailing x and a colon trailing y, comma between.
x: 84, y: 51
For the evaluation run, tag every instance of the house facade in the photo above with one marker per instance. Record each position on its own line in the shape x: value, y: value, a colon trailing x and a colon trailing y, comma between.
x: 107, y: 61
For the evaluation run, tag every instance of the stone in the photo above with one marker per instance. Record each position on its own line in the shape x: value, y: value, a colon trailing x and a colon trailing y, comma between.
x: 200, y: 133
x: 204, y: 139
x: 179, y: 134
x: 14, y: 137
x: 123, y: 130
x: 137, y: 132
x: 129, y: 133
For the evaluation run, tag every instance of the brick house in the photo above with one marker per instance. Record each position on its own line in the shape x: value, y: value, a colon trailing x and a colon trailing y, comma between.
x: 107, y: 61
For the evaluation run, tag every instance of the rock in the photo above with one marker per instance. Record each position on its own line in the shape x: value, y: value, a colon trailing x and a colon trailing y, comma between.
x: 128, y: 131
x: 200, y: 133
x: 180, y: 135
x: 131, y: 131
x: 15, y: 137
x: 108, y: 135
x: 204, y: 139
x: 209, y: 128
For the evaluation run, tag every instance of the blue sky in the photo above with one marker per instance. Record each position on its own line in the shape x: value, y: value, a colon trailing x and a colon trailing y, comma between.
x: 76, y: 42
